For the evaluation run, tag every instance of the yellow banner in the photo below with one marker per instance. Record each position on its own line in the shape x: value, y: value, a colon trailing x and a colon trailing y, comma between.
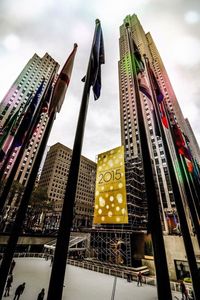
x: 110, y: 194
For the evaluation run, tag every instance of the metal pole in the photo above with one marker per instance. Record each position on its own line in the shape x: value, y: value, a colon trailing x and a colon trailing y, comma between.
x: 178, y: 199
x: 162, y: 276
x: 114, y: 288
x: 16, y: 230
x: 61, y: 250
x: 17, y: 161
x: 191, y: 197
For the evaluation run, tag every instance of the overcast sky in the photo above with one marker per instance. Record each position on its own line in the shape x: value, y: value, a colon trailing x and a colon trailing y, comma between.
x: 39, y: 26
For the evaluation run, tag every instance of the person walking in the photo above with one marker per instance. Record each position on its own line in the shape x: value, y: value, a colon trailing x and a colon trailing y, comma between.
x: 129, y: 277
x: 184, y: 291
x: 41, y: 295
x: 13, y: 263
x: 139, y: 279
x: 8, y: 285
x: 51, y: 260
x: 19, y: 291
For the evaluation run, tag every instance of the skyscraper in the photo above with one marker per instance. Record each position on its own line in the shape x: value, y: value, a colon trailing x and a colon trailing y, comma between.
x: 28, y: 82
x: 129, y: 127
x: 126, y: 244
x: 54, y: 178
x: 192, y: 141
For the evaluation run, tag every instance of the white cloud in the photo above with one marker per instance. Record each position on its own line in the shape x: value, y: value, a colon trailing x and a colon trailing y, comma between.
x: 187, y: 51
x: 11, y: 42
x: 29, y: 10
x: 53, y: 26
x: 192, y: 17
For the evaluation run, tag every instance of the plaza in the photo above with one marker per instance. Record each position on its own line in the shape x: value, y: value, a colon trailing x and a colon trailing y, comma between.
x: 80, y: 284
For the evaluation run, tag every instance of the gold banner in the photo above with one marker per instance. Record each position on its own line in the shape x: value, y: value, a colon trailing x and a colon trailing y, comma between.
x: 110, y: 194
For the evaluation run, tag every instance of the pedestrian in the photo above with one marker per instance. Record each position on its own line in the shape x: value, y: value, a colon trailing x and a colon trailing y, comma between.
x: 19, y: 291
x: 13, y: 263
x: 129, y: 277
x: 8, y: 285
x: 184, y: 291
x: 51, y: 261
x: 41, y: 295
x: 139, y: 279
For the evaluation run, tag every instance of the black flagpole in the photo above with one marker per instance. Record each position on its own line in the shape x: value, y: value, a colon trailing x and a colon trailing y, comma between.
x: 17, y: 226
x: 178, y: 199
x: 162, y: 276
x: 192, y: 198
x: 184, y: 228
x: 17, y: 161
x: 62, y: 244
x: 195, y: 186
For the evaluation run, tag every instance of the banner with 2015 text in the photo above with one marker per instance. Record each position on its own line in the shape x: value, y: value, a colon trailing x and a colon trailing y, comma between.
x: 110, y: 193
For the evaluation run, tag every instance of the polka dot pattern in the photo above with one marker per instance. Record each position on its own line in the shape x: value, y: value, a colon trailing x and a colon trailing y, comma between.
x: 110, y: 195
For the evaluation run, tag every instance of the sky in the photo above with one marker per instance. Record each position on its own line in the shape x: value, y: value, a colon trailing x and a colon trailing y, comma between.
x: 40, y: 26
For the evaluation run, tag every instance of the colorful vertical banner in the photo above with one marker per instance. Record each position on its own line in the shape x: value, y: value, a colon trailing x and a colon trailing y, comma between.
x: 110, y: 194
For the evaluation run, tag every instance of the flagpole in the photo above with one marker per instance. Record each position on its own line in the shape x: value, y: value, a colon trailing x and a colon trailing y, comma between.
x: 162, y: 276
x: 177, y: 197
x: 191, y: 195
x: 186, y: 233
x: 196, y: 187
x: 54, y: 100
x: 192, y: 198
x: 17, y: 161
x: 62, y: 244
x: 21, y: 213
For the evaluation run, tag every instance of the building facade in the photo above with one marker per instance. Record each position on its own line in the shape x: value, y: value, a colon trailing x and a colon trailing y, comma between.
x: 54, y: 178
x: 129, y: 121
x: 26, y: 83
x: 130, y: 238
x: 192, y: 141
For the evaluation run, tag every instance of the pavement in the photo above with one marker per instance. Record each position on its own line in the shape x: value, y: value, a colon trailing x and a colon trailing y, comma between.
x: 80, y: 284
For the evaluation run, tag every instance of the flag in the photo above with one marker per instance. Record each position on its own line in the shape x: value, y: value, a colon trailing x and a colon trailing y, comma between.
x: 139, y: 64
x: 62, y: 83
x: 21, y: 124
x: 158, y: 92
x: 19, y: 133
x: 159, y: 95
x: 97, y: 58
x: 9, y: 127
x: 180, y: 142
x: 163, y: 115
x: 143, y: 86
x: 190, y: 166
x: 189, y: 161
x: 46, y: 101
x: 10, y: 121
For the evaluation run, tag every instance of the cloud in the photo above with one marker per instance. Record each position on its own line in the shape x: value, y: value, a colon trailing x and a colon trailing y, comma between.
x: 192, y: 17
x: 187, y: 52
x: 53, y: 26
x: 11, y: 42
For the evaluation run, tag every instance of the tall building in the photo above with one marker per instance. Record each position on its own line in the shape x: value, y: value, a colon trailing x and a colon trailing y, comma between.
x: 128, y: 113
x: 129, y: 241
x: 129, y: 124
x: 54, y: 178
x: 192, y: 141
x: 26, y: 83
